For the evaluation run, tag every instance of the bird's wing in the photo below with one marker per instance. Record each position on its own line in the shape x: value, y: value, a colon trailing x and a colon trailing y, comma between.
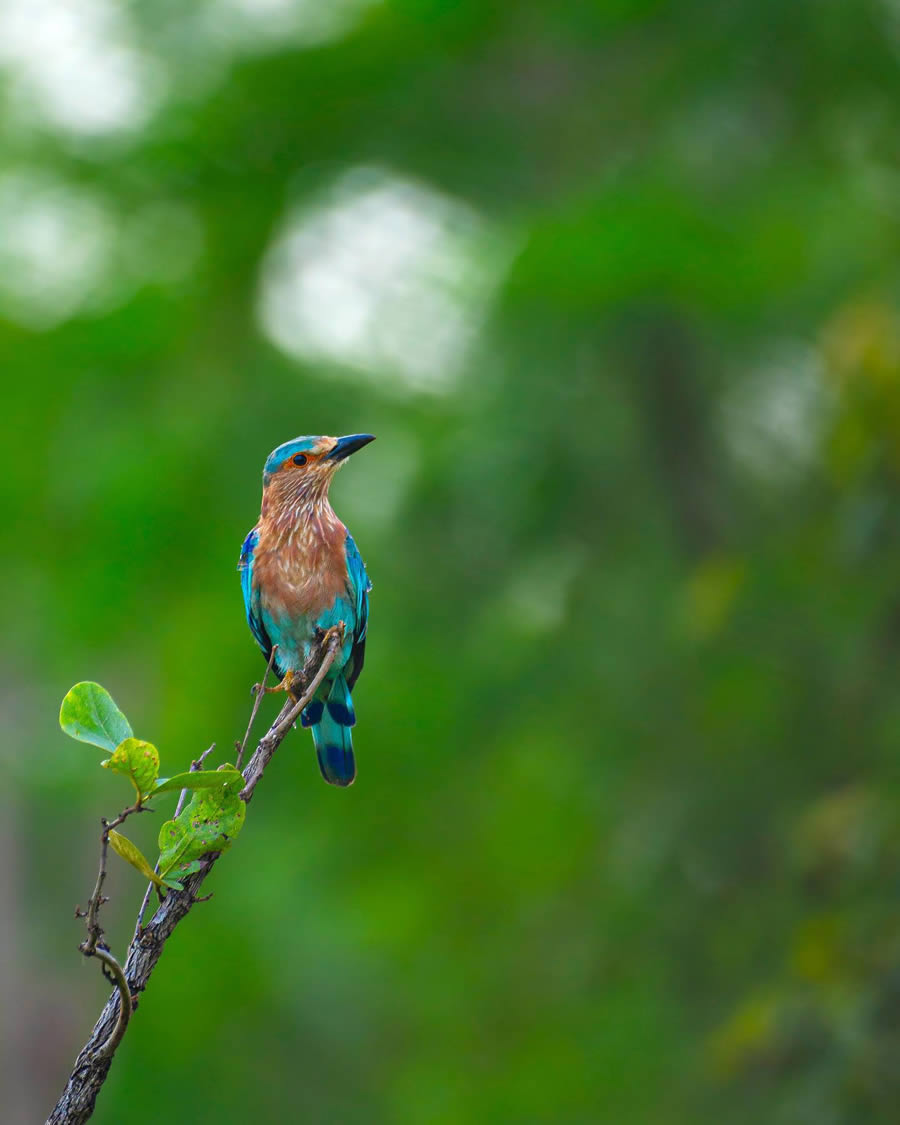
x: 251, y: 596
x: 360, y: 586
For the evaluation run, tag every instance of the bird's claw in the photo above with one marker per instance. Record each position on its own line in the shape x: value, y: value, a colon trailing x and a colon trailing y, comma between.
x: 285, y: 684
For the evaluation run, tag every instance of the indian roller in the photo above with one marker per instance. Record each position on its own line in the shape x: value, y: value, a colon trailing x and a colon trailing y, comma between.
x: 301, y: 574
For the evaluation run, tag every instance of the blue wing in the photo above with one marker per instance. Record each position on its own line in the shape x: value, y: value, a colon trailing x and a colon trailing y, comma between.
x: 359, y: 591
x: 251, y: 596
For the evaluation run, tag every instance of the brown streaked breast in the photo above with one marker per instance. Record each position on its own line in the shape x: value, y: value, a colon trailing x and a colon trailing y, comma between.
x: 302, y: 572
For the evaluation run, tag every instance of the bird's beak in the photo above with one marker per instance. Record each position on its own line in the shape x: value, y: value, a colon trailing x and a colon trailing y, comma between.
x: 347, y: 445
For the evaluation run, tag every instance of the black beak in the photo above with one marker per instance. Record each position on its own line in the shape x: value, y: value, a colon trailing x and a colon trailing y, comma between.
x: 347, y: 445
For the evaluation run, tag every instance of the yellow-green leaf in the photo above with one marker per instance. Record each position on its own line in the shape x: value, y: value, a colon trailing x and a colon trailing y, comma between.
x: 139, y: 761
x: 132, y: 854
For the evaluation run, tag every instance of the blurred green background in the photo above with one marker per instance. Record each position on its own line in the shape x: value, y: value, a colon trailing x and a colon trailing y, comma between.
x: 616, y: 286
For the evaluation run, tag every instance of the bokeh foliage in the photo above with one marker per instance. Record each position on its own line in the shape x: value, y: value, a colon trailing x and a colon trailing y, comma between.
x: 624, y: 840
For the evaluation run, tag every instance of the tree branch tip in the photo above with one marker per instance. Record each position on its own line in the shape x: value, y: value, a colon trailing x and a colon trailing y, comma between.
x: 197, y: 763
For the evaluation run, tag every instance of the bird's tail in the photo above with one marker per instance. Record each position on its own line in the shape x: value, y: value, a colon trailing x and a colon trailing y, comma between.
x: 330, y: 720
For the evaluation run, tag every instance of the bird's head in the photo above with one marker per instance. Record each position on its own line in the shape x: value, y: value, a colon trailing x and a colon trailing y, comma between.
x: 301, y: 470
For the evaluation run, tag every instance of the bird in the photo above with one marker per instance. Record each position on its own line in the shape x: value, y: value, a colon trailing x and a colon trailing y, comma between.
x: 301, y: 573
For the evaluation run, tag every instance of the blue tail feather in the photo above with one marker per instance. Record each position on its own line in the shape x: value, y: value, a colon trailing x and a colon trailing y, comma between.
x: 340, y: 714
x: 331, y: 734
x: 334, y: 749
x: 339, y: 704
x: 312, y: 713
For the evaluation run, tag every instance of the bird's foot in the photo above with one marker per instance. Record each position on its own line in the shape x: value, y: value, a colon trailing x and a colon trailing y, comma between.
x: 285, y: 684
x: 323, y: 636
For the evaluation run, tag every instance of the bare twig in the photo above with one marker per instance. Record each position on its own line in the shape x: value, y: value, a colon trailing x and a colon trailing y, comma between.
x: 76, y: 1104
x: 260, y: 690
x: 126, y: 1007
x: 94, y: 929
x: 196, y: 765
x: 91, y: 947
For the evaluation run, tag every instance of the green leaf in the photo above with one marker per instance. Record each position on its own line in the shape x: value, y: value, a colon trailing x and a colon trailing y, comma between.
x: 209, y: 823
x: 174, y: 840
x: 133, y: 855
x: 182, y: 870
x: 199, y: 779
x: 89, y: 714
x: 138, y: 760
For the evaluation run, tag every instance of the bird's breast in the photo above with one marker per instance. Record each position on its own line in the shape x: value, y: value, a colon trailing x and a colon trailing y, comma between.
x: 302, y: 573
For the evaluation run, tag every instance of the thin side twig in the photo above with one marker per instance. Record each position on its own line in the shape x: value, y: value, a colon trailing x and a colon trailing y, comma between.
x: 260, y: 691
x: 126, y: 1005
x: 196, y: 765
x: 92, y: 914
x: 91, y: 946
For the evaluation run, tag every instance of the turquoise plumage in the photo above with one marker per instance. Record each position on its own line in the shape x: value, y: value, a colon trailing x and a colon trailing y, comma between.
x: 301, y: 573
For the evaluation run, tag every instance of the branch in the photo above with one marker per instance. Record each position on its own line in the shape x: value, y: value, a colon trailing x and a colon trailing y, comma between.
x: 259, y: 691
x: 76, y: 1104
x: 270, y: 742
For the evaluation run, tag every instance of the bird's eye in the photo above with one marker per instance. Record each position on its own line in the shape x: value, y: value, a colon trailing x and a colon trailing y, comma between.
x: 299, y: 459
